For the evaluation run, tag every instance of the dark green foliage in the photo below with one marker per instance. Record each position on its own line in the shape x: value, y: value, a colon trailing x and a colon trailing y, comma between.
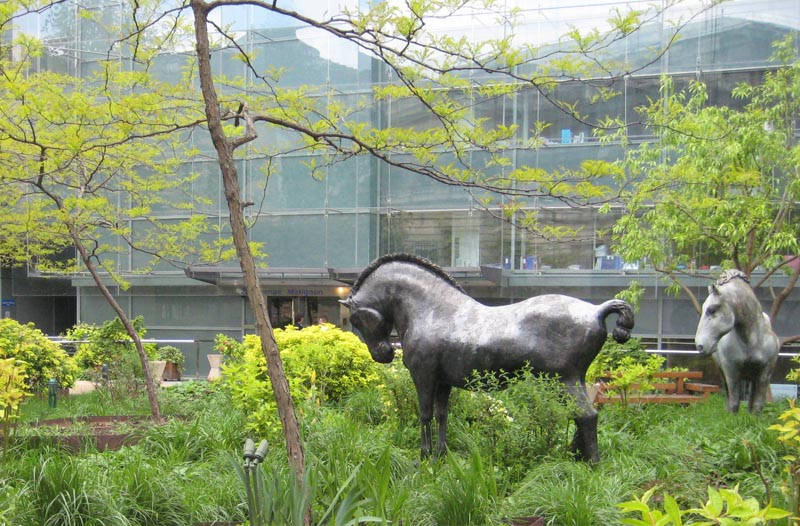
x: 520, y: 419
x: 170, y: 353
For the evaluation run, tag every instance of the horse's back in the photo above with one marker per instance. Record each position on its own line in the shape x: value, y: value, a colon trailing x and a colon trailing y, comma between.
x: 559, y: 307
x: 550, y: 333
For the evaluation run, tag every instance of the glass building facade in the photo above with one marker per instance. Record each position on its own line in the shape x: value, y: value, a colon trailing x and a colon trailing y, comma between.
x: 319, y: 232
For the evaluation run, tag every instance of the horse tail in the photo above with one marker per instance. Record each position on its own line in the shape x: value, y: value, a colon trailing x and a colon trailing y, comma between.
x: 622, y: 332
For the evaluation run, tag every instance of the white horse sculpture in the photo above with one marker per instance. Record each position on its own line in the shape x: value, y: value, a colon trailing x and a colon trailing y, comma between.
x: 738, y: 335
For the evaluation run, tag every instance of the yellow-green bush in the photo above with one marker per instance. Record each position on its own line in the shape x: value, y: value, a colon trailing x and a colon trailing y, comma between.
x: 40, y: 358
x: 322, y: 364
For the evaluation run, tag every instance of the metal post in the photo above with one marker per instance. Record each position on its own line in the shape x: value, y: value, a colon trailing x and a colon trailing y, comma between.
x: 52, y: 392
x: 196, y: 360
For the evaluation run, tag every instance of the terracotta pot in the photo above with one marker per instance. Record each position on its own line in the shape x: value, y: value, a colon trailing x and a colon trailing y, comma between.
x: 172, y: 372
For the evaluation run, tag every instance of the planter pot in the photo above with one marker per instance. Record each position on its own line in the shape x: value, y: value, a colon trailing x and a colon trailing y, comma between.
x: 157, y: 369
x: 172, y: 372
x: 214, y: 360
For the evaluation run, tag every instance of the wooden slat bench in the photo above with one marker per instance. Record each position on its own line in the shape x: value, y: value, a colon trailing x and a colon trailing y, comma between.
x: 669, y: 387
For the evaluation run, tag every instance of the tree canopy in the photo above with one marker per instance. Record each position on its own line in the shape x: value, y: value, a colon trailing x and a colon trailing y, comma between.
x: 719, y: 186
x: 88, y: 164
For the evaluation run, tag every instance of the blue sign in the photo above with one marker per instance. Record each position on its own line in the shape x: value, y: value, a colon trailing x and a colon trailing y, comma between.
x: 8, y: 302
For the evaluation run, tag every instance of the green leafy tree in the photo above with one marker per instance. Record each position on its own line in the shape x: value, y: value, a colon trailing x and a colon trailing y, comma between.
x: 88, y: 167
x: 719, y: 185
x: 109, y: 350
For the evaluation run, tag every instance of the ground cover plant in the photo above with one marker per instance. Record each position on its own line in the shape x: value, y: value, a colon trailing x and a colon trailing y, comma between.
x: 509, y: 459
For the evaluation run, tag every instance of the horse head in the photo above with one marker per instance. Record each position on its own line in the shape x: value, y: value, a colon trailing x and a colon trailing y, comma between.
x: 373, y: 328
x: 716, y: 321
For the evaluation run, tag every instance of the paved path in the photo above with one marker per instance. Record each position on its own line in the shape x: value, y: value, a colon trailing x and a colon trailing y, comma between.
x: 81, y: 386
x: 85, y: 386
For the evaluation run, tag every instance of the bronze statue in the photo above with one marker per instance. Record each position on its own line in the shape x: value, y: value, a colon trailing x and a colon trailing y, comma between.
x: 446, y: 336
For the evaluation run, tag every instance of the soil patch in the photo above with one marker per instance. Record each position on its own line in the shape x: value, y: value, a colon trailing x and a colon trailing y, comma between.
x: 100, y: 433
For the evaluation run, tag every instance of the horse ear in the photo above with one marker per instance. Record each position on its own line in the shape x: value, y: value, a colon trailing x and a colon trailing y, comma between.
x: 712, y: 290
x: 366, y: 318
x: 347, y: 303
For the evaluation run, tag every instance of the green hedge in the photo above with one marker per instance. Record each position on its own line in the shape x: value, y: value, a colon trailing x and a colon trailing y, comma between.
x: 322, y: 364
x: 41, y: 358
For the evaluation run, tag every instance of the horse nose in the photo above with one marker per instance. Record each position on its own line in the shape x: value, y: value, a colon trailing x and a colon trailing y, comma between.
x: 700, y: 349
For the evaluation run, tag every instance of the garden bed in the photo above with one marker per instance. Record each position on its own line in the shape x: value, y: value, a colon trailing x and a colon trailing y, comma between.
x: 103, y: 433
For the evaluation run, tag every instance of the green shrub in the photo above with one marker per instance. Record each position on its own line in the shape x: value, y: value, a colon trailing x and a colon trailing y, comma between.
x: 322, y: 364
x: 170, y: 353
x: 111, y: 345
x: 626, y: 367
x: 615, y: 355
x: 724, y: 506
x: 400, y: 395
x: 12, y: 393
x: 40, y: 358
x: 521, y: 419
x: 226, y: 345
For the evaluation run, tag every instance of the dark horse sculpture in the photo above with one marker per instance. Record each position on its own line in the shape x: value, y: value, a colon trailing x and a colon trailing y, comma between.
x: 739, y: 337
x: 446, y: 336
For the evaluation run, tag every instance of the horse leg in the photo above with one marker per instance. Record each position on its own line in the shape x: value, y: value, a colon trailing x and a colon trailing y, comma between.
x: 425, y: 399
x: 733, y: 386
x: 732, y: 382
x: 759, y: 390
x: 584, y: 442
x: 441, y: 406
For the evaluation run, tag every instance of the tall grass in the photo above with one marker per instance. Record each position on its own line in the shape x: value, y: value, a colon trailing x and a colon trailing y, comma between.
x: 569, y: 494
x: 364, y: 462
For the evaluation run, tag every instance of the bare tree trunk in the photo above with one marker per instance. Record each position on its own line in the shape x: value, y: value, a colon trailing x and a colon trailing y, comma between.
x: 783, y: 295
x: 126, y: 322
x: 225, y: 151
x: 695, y: 302
x: 86, y: 258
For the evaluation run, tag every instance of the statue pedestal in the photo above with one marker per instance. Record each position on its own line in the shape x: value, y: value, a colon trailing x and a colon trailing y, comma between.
x: 214, y: 360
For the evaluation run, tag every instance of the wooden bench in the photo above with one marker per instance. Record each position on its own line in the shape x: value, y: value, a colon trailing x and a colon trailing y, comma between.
x: 669, y: 387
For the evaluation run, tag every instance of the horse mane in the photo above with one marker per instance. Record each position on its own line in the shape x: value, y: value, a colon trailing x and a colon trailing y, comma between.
x: 405, y: 258
x: 731, y: 274
x: 747, y: 302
